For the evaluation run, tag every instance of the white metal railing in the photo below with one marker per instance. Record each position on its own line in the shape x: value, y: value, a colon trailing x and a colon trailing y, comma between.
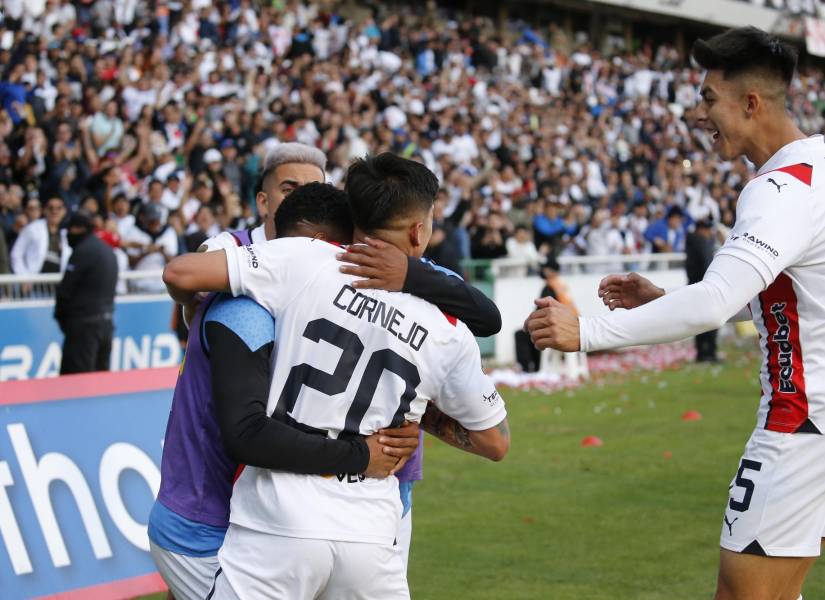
x: 42, y: 286
x: 16, y: 288
x: 517, y: 267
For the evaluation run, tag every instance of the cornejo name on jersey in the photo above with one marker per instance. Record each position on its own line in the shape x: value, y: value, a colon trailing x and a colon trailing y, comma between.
x: 380, y: 313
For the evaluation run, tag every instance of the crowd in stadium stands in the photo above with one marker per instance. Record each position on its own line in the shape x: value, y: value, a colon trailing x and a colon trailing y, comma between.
x: 156, y: 117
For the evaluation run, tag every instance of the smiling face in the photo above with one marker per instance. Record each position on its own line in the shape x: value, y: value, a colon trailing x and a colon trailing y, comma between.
x: 723, y: 111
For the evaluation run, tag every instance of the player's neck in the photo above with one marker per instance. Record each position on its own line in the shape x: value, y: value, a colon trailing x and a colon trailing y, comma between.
x: 396, y: 238
x: 269, y: 229
x: 773, y: 135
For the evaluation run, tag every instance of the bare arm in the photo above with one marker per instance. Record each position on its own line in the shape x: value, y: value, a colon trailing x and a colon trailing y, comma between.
x: 196, y: 272
x: 492, y: 443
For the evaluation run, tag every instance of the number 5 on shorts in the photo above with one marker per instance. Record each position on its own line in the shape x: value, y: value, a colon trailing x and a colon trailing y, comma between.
x: 747, y: 484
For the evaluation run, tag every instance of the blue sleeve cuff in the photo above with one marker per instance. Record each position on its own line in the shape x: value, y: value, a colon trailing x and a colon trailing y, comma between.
x: 243, y: 316
x: 444, y: 270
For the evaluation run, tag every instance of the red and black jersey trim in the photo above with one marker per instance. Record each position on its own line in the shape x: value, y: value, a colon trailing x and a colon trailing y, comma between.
x: 238, y: 472
x: 788, y: 405
x: 802, y: 171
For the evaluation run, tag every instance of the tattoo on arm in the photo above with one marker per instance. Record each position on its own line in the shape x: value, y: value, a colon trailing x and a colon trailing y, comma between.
x: 462, y: 436
x: 504, y: 428
x: 446, y: 428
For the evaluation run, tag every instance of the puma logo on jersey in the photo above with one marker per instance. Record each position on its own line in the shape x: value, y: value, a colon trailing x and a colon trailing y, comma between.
x: 779, y: 186
x: 730, y: 524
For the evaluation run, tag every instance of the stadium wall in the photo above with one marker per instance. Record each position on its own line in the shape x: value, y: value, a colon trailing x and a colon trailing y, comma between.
x: 515, y: 296
x: 31, y: 342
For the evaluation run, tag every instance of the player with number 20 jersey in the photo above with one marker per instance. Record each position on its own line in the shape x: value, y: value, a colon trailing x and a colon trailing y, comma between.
x: 347, y: 361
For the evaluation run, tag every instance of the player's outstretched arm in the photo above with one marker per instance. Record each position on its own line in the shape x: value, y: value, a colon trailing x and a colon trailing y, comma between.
x: 632, y: 290
x: 729, y: 284
x: 385, y: 267
x: 188, y: 274
x: 492, y: 443
x: 240, y: 338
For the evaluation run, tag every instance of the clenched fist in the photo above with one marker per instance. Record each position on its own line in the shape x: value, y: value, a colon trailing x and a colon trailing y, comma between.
x: 553, y: 325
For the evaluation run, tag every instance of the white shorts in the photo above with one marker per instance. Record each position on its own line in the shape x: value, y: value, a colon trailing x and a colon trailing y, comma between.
x: 188, y: 577
x: 255, y: 565
x: 404, y: 538
x: 776, y: 504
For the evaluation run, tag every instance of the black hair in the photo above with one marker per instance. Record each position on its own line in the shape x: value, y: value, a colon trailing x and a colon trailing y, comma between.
x: 386, y: 187
x: 316, y: 203
x: 81, y: 218
x: 259, y: 182
x: 746, y: 49
x: 206, y: 207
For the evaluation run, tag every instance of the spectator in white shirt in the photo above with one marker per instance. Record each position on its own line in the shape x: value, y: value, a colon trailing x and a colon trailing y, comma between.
x: 106, y: 129
x: 520, y: 246
x: 150, y: 245
x: 41, y: 246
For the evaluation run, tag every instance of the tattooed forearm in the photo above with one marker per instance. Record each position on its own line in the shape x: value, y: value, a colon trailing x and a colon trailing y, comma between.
x: 491, y: 443
x: 462, y: 436
x: 446, y: 429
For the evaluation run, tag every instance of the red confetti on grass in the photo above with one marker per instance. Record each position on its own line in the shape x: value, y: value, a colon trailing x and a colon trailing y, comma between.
x: 592, y: 441
x: 667, y: 454
x: 691, y: 415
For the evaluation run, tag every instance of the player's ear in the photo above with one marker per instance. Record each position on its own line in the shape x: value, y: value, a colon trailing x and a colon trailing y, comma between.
x: 416, y: 234
x: 752, y: 103
x: 260, y: 202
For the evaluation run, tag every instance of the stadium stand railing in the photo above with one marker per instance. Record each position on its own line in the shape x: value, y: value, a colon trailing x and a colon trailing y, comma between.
x: 19, y: 288
x: 481, y: 271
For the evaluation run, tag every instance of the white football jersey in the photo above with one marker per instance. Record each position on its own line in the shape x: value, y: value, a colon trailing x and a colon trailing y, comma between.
x: 780, y: 231
x: 348, y: 362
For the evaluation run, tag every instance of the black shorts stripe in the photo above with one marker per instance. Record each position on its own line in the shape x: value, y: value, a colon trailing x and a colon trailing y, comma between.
x: 214, y: 583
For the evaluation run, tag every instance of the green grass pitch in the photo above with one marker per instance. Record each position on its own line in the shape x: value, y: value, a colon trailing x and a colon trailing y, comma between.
x: 635, y: 519
x: 638, y: 518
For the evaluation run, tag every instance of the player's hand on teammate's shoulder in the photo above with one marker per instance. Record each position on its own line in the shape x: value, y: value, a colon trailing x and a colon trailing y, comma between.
x: 382, y: 265
x: 627, y: 291
x: 553, y: 325
x: 390, y: 449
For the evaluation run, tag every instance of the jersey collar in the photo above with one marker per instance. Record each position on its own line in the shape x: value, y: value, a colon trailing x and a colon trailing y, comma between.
x: 789, y: 154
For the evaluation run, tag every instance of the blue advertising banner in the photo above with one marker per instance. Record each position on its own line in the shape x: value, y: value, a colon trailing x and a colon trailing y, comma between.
x: 31, y: 341
x: 79, y: 471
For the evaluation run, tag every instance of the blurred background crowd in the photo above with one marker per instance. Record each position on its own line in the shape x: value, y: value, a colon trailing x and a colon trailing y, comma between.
x: 156, y: 116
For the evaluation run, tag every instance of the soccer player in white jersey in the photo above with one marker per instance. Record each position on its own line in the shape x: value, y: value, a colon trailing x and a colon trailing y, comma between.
x: 772, y: 267
x: 348, y: 361
x: 286, y: 167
